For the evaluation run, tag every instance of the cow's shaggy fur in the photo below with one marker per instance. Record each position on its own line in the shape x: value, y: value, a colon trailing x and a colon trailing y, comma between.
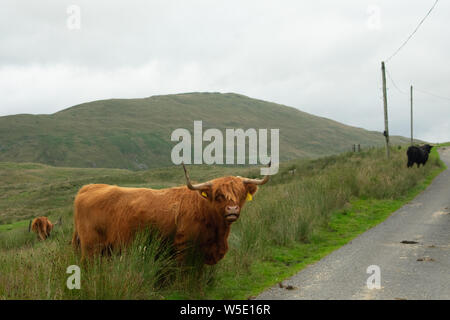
x: 107, y: 217
x: 418, y: 154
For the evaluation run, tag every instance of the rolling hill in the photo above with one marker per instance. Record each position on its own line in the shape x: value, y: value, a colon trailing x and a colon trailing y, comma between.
x: 135, y: 133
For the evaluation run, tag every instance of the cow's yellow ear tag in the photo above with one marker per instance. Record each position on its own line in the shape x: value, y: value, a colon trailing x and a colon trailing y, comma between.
x: 204, y: 194
x: 249, y: 196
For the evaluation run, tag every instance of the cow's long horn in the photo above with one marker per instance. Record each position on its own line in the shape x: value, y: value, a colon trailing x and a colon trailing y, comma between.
x: 199, y: 186
x: 29, y: 226
x: 258, y: 181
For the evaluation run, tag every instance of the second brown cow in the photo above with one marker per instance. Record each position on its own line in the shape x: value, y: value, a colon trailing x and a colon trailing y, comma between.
x: 42, y: 226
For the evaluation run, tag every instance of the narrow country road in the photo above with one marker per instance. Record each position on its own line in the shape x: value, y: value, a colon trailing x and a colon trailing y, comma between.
x: 418, y: 270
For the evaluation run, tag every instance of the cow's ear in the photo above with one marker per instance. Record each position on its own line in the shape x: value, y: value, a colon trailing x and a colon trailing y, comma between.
x: 251, y: 188
x: 206, y: 193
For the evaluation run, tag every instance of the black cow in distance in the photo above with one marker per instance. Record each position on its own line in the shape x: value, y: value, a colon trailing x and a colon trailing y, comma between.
x: 418, y: 154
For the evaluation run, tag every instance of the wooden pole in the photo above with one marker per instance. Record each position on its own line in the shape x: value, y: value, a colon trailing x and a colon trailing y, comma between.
x: 386, y: 127
x: 412, y: 139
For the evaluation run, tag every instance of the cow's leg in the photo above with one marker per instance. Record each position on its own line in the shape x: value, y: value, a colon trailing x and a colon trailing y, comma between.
x: 46, y: 232
x: 90, y: 250
x: 181, y: 245
x: 187, y: 249
x: 75, y: 240
x: 91, y: 247
x: 216, y: 250
x: 41, y: 235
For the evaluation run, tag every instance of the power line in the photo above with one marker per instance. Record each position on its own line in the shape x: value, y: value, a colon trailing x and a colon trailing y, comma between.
x: 412, y: 34
x: 392, y: 80
x: 419, y: 90
x: 432, y: 94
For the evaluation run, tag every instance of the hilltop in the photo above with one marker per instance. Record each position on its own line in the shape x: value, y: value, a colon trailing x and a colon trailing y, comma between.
x: 135, y: 133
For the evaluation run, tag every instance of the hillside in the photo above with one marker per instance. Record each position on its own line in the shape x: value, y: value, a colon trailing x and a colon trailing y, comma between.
x: 135, y: 133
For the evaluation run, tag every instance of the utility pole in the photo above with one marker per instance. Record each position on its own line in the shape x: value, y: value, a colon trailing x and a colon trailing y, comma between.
x: 412, y: 139
x: 386, y: 129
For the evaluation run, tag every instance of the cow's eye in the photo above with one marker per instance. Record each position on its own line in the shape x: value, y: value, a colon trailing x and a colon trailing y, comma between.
x: 220, y: 197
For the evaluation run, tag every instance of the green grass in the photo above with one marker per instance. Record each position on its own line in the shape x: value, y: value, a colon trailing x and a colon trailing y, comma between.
x: 444, y: 144
x: 135, y: 133
x: 293, y: 221
x: 11, y: 226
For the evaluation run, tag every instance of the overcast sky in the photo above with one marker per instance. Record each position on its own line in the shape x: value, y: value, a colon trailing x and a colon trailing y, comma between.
x: 322, y: 57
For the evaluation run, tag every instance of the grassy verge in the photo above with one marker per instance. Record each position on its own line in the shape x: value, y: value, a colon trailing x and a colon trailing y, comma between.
x: 293, y: 221
x: 444, y: 144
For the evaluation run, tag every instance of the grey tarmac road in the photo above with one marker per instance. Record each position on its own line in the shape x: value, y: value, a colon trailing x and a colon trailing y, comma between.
x: 408, y: 271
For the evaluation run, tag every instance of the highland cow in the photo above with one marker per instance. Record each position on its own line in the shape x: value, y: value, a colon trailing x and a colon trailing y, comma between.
x: 107, y: 217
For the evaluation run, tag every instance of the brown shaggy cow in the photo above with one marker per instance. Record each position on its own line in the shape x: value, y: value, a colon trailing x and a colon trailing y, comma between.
x: 107, y: 216
x: 42, y: 226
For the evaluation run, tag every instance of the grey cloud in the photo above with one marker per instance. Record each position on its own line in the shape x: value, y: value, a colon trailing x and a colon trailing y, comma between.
x: 318, y: 56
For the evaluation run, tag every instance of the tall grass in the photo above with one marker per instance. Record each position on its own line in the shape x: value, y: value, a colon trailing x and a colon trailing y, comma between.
x: 287, y: 211
x: 138, y: 271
